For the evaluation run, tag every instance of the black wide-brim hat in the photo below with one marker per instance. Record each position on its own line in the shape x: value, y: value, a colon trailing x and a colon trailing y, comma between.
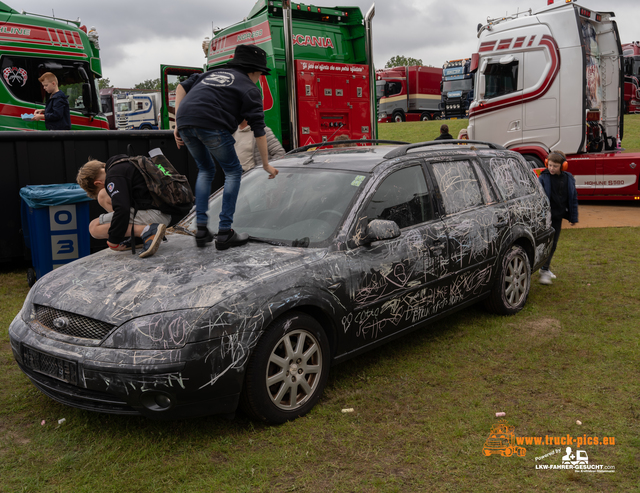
x: 251, y: 58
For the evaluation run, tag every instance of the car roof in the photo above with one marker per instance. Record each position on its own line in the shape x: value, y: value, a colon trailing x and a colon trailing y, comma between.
x: 363, y: 159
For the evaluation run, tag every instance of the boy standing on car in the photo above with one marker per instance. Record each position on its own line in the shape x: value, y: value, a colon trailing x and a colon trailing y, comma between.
x: 122, y: 190
x: 209, y: 108
x: 56, y: 114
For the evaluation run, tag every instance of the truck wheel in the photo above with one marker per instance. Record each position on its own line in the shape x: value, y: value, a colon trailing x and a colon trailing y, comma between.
x: 288, y: 370
x: 398, y: 116
x: 145, y: 126
x: 533, y: 161
x: 437, y: 117
x: 509, y: 293
x: 507, y: 452
x: 425, y: 117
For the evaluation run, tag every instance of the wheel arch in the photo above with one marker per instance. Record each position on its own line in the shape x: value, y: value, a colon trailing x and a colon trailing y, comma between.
x: 317, y: 305
x: 526, y: 242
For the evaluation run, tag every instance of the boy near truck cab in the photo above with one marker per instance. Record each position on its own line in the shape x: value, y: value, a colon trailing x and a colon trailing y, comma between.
x: 56, y: 114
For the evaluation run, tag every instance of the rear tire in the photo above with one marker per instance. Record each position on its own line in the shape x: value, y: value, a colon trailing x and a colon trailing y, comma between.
x: 425, y: 117
x: 287, y: 371
x: 511, y: 289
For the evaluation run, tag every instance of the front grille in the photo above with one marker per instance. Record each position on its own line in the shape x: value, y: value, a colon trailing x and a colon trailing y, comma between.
x: 71, y: 324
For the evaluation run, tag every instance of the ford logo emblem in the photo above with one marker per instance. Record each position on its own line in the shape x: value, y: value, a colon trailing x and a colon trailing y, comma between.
x: 61, y: 322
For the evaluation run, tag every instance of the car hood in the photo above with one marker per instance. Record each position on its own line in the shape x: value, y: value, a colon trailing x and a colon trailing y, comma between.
x: 117, y: 286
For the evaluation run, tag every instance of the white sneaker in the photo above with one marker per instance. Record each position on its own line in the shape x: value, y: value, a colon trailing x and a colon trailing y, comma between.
x: 545, y: 277
x: 551, y: 274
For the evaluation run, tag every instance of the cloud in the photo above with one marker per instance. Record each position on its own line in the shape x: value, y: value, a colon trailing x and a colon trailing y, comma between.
x: 137, y: 36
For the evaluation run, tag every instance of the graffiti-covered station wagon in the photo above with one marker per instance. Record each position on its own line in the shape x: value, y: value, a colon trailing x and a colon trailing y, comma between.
x: 350, y: 247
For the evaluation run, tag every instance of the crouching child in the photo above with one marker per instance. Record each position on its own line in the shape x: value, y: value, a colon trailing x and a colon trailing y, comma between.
x: 122, y: 191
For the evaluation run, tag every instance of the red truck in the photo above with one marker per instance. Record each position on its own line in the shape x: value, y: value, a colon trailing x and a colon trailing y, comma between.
x: 631, y: 54
x: 408, y: 93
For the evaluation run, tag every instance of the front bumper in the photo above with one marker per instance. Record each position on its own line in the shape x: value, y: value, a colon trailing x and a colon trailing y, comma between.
x: 195, y: 380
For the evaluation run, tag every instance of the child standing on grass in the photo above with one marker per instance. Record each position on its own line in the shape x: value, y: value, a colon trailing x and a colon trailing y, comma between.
x: 560, y: 187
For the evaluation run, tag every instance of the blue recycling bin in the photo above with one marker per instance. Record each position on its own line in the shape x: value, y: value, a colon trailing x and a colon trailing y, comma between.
x: 55, y: 222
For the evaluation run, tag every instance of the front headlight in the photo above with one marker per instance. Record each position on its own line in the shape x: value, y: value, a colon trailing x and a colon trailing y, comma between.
x: 165, y: 330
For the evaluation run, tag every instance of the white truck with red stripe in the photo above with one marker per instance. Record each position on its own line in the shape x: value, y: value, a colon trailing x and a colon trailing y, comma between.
x: 553, y: 81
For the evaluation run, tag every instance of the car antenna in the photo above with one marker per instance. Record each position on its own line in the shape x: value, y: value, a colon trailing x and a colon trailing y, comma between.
x: 310, y: 160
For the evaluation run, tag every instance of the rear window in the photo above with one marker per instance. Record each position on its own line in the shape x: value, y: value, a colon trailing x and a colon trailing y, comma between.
x: 512, y: 178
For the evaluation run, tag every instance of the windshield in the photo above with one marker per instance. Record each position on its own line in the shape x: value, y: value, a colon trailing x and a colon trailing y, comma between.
x: 457, y: 85
x: 122, y: 107
x: 301, y: 206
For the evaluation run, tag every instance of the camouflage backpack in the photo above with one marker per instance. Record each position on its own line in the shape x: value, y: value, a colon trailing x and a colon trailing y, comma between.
x: 166, y: 185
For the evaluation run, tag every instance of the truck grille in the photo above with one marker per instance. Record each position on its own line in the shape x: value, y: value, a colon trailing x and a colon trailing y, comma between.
x: 71, y: 324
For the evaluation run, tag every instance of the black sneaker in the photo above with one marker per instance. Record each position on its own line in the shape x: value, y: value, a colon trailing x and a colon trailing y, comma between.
x: 228, y: 239
x: 152, y: 238
x: 203, y: 236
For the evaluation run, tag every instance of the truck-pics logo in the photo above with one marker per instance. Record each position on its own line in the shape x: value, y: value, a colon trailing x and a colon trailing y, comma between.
x: 15, y: 75
x: 502, y: 440
x: 577, y: 461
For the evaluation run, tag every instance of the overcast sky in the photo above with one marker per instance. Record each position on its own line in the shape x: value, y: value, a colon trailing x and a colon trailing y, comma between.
x: 137, y: 36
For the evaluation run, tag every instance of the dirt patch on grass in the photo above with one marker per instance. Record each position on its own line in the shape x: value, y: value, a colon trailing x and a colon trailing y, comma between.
x: 606, y: 215
x: 540, y: 328
x: 12, y: 435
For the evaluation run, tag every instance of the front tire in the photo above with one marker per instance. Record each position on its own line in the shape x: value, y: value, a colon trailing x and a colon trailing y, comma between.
x: 398, y: 116
x: 511, y: 289
x: 288, y: 370
x: 425, y: 117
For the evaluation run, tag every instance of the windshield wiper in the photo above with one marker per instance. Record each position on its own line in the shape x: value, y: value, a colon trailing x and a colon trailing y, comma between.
x: 301, y: 243
x: 268, y: 242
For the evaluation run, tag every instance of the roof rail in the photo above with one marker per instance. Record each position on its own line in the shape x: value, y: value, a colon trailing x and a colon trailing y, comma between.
x: 402, y: 151
x: 341, y: 143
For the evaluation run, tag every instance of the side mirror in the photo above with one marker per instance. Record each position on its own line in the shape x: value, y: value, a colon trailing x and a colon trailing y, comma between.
x: 481, y: 86
x: 376, y: 230
x: 86, y: 97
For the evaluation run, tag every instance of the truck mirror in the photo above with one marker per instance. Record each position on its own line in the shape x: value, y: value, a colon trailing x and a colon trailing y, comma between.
x: 87, y: 100
x: 483, y: 65
x: 481, y: 84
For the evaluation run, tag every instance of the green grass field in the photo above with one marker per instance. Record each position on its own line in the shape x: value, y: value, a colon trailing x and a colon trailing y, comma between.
x: 424, y: 131
x: 423, y: 405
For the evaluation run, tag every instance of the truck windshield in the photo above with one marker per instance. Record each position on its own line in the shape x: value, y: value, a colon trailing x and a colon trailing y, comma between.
x: 457, y: 85
x: 122, y: 107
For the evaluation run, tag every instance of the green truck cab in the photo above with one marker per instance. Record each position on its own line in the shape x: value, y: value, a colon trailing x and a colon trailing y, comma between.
x: 31, y: 45
x: 321, y: 64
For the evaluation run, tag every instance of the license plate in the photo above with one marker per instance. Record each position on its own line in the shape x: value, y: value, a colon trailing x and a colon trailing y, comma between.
x: 57, y: 368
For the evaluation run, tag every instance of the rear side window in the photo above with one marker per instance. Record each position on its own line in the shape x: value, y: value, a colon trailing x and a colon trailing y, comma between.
x: 512, y: 178
x: 459, y: 186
